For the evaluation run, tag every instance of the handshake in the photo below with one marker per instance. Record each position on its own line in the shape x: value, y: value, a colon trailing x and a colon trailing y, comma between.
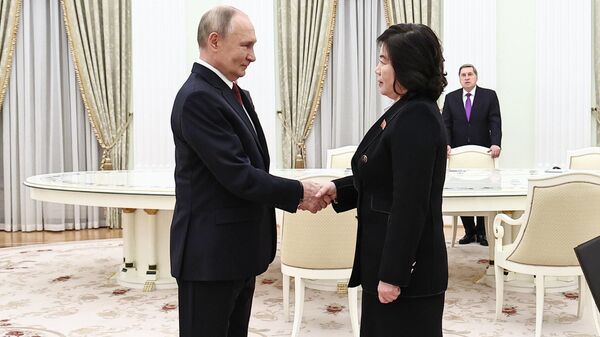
x: 317, y: 196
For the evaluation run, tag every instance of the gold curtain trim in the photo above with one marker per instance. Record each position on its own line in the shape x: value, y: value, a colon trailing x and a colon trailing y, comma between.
x: 11, y: 49
x: 84, y: 94
x: 387, y: 12
x: 323, y: 73
x: 288, y: 132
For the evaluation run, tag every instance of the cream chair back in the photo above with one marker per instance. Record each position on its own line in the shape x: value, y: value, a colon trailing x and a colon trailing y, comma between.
x: 585, y: 159
x: 563, y: 211
x: 468, y: 157
x: 340, y: 157
x: 471, y: 156
x: 325, y: 240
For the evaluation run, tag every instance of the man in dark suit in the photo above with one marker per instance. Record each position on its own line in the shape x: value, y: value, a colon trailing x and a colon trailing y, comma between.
x: 223, y: 231
x: 472, y: 117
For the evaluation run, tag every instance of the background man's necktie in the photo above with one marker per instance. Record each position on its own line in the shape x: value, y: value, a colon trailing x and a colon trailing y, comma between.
x: 468, y: 106
x: 236, y: 92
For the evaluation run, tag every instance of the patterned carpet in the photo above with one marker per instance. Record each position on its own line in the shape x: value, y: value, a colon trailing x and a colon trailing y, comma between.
x: 69, y: 290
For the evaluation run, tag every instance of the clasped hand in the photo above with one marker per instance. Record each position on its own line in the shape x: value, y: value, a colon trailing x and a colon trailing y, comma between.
x: 317, y: 196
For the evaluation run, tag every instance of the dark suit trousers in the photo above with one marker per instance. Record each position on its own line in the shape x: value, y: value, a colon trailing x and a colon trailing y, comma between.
x: 469, y: 224
x: 215, y: 308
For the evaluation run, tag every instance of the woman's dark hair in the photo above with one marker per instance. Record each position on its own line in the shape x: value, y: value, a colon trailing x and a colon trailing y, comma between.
x: 416, y: 55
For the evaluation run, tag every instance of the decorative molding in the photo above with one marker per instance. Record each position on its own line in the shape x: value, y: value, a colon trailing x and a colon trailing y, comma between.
x: 150, y: 211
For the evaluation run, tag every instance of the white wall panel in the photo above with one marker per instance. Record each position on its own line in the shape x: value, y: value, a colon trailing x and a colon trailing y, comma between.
x: 563, y: 79
x: 162, y: 47
x: 159, y: 68
x: 469, y: 36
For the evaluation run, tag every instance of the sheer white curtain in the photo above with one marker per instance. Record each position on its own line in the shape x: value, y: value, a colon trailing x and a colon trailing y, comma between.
x: 350, y: 103
x: 44, y: 123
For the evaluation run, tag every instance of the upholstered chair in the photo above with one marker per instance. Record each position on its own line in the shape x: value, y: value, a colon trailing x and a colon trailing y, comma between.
x: 585, y: 159
x: 340, y: 157
x: 562, y: 212
x: 318, y: 246
x: 469, y: 157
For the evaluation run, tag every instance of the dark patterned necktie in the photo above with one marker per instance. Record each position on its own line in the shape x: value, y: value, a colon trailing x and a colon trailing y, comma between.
x: 236, y: 92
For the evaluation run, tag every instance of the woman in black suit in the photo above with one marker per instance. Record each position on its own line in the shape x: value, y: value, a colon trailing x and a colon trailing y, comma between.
x: 398, y: 178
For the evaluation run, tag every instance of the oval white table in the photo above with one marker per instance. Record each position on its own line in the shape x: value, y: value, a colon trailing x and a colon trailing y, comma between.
x: 147, y: 199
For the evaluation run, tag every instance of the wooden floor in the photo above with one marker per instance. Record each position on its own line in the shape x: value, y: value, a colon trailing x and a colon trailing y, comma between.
x: 12, y: 239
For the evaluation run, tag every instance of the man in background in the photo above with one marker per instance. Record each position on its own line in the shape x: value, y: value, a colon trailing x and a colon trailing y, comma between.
x: 472, y: 117
x: 223, y: 231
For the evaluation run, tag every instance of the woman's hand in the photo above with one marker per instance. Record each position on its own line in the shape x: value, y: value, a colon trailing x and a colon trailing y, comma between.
x: 387, y: 292
x: 328, y: 192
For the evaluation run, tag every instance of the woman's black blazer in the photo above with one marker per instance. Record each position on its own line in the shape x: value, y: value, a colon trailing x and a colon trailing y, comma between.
x: 398, y: 178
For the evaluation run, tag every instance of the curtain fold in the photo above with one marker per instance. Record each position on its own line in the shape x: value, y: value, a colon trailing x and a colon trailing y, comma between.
x: 304, y: 42
x: 596, y: 66
x: 10, y: 12
x: 99, y: 35
x: 350, y: 103
x: 427, y: 12
x: 44, y: 126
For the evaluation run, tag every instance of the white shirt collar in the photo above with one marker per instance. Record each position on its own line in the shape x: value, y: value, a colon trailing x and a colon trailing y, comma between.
x: 472, y: 92
x: 214, y: 70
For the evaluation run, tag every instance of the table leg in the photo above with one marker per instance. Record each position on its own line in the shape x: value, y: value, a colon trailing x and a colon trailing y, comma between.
x: 146, y: 250
x: 128, y: 240
x: 152, y: 271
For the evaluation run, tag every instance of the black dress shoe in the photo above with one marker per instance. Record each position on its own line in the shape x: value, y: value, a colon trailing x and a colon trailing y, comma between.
x: 482, y: 240
x: 467, y: 239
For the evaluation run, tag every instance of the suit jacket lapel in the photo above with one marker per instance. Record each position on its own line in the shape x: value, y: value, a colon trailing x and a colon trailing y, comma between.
x: 230, y: 98
x: 476, y: 102
x: 461, y: 106
x: 376, y: 129
x: 228, y: 95
x: 259, y: 134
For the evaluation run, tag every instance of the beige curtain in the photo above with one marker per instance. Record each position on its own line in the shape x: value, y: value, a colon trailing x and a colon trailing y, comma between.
x: 304, y: 43
x: 596, y: 66
x: 427, y: 12
x: 99, y: 35
x: 10, y: 12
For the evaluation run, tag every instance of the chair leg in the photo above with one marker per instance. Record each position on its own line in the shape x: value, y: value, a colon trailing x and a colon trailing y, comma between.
x: 592, y: 311
x: 539, y: 304
x: 353, y: 308
x: 596, y: 315
x: 580, y: 309
x: 298, y: 305
x: 454, y: 225
x: 499, y: 274
x: 286, y: 297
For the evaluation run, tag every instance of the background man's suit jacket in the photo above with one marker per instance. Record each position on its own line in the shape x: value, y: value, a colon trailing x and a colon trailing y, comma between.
x: 399, y: 170
x: 485, y: 125
x: 223, y: 225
